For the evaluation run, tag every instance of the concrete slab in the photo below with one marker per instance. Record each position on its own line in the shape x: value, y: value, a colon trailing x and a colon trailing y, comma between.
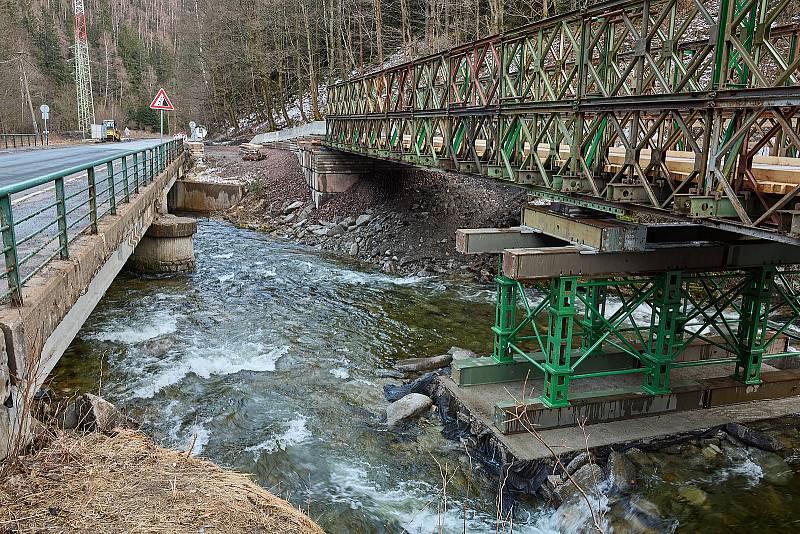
x: 478, y: 406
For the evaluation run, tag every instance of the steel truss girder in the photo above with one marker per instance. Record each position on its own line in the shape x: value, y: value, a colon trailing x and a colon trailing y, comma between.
x: 741, y: 313
x: 604, y: 102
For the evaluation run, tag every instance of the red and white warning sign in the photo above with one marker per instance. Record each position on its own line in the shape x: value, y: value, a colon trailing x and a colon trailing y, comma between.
x: 162, y: 101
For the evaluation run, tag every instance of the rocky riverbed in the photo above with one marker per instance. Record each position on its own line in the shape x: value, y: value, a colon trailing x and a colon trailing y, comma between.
x: 404, y: 222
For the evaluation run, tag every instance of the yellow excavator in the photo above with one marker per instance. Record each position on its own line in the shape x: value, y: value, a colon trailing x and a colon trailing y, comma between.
x: 112, y: 133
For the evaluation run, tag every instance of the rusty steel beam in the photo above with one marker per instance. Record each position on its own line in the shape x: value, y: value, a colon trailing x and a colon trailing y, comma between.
x: 549, y: 262
x: 496, y: 240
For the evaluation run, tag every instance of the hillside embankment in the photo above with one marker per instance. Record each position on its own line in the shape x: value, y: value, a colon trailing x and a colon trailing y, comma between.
x: 403, y: 221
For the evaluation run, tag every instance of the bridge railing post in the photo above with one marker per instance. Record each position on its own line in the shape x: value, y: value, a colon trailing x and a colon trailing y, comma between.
x: 125, y: 189
x: 61, y: 214
x: 10, y: 250
x: 92, y: 199
x: 152, y: 165
x: 136, y: 173
x: 112, y: 196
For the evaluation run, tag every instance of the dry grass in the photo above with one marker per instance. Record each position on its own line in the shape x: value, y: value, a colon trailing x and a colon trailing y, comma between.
x: 126, y: 483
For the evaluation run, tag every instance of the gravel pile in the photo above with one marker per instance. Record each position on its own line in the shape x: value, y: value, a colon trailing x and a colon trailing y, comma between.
x: 403, y: 221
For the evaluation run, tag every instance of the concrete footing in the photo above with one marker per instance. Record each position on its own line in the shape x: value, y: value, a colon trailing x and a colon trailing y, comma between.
x: 166, y: 246
x: 701, y: 397
x: 5, y: 401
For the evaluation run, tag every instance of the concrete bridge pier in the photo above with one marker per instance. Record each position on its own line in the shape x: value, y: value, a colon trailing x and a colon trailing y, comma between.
x: 166, y: 246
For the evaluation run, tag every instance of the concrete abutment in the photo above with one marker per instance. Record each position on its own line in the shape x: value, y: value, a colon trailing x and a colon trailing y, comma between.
x: 327, y: 171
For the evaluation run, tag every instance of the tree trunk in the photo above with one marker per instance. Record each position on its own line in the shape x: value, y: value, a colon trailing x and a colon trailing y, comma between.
x: 312, y: 69
x: 405, y: 22
x: 379, y: 30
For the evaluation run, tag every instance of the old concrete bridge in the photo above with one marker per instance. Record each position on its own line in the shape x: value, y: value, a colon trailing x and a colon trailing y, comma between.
x: 66, y: 235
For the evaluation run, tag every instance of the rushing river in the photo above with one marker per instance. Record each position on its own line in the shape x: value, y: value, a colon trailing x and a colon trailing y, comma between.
x: 271, y: 358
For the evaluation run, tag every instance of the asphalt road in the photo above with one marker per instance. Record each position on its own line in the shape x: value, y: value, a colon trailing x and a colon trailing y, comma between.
x: 17, y: 165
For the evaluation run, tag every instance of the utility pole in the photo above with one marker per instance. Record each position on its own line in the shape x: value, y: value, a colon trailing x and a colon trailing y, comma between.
x: 23, y: 79
x: 83, y: 75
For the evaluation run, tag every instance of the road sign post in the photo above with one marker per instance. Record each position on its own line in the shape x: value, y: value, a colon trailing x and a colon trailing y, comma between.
x: 162, y: 103
x: 45, y: 109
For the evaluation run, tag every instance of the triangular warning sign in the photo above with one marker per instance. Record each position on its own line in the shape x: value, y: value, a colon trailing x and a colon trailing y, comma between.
x: 161, y: 101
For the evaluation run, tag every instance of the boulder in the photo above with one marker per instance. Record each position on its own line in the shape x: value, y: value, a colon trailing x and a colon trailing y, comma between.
x: 775, y: 469
x: 354, y: 249
x: 68, y: 417
x: 407, y: 408
x: 692, y: 495
x: 5, y: 432
x: 639, y: 457
x: 336, y: 230
x: 98, y: 414
x: 424, y: 364
x: 363, y: 219
x: 576, y: 463
x: 644, y: 516
x: 588, y: 478
x: 550, y: 487
x: 621, y: 471
x: 462, y: 354
x: 710, y: 451
x: 753, y: 438
x: 297, y: 204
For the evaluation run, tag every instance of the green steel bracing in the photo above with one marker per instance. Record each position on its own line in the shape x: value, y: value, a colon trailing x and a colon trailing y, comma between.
x: 753, y: 327
x: 647, y: 325
x: 557, y: 364
x: 665, y: 333
x: 505, y: 318
x: 645, y: 103
x: 592, y: 324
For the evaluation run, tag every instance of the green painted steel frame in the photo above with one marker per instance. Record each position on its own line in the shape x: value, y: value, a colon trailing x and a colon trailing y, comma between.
x: 27, y: 255
x: 576, y: 319
x: 590, y: 102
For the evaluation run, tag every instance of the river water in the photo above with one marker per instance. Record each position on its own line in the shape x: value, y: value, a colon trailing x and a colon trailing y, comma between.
x: 271, y: 358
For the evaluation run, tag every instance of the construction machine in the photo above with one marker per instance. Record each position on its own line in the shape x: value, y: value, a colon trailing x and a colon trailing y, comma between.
x: 111, y: 131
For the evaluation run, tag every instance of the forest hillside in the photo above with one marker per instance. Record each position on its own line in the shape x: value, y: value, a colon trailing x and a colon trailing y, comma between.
x: 234, y: 65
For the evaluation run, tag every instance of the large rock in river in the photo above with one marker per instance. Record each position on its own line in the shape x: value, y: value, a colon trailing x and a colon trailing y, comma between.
x: 407, y: 408
x: 621, y: 471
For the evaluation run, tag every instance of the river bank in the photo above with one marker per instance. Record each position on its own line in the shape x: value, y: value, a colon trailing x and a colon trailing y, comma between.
x: 123, y: 481
x: 404, y: 222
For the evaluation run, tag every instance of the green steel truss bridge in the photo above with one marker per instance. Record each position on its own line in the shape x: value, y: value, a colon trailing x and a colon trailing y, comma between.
x: 685, y: 109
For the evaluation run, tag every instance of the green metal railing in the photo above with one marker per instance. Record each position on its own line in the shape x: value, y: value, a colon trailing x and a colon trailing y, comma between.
x: 14, y: 140
x: 50, y: 211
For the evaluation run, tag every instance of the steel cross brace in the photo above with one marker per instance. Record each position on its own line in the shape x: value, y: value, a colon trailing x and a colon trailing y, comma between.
x: 578, y: 321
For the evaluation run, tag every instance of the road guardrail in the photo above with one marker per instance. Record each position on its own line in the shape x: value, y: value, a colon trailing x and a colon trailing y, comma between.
x: 15, y: 140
